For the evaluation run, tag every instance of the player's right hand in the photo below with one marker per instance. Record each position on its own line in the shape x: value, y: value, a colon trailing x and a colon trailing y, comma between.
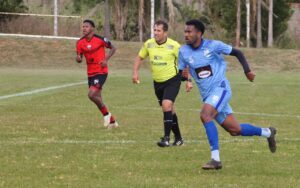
x: 78, y: 58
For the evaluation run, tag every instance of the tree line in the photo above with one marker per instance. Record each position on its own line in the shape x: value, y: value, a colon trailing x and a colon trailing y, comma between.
x: 252, y: 23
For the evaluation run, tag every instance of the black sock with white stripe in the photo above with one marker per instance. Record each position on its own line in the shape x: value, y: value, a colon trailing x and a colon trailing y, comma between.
x: 168, y: 123
x: 175, y: 127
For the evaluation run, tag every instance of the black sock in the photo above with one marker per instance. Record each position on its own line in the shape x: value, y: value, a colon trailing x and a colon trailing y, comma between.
x: 175, y: 127
x: 168, y: 122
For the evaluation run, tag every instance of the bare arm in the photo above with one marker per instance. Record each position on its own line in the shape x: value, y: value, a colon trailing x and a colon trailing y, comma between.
x: 136, y: 66
x: 185, y: 76
x: 111, y: 52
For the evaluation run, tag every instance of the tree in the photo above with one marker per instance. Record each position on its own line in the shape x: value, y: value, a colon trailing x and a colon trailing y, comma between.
x: 121, y: 13
x: 107, y: 20
x: 270, y: 25
x: 141, y: 18
x: 11, y: 6
x: 162, y: 9
x: 171, y: 13
x: 238, y: 24
x: 259, y: 34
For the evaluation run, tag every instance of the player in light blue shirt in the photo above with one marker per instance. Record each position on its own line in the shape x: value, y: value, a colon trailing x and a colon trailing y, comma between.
x: 208, y: 67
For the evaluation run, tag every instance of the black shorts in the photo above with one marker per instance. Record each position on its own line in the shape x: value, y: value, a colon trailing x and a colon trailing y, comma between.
x: 168, y: 89
x: 97, y: 81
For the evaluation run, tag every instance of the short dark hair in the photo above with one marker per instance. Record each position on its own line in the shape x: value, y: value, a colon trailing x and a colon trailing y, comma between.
x: 90, y: 22
x: 163, y: 23
x: 198, y: 25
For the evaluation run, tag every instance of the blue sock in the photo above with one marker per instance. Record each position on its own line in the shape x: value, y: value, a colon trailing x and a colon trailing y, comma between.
x: 212, y: 135
x: 250, y: 130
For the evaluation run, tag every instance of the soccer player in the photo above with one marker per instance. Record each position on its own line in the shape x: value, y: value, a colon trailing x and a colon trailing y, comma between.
x: 207, y: 67
x: 93, y: 47
x: 163, y: 55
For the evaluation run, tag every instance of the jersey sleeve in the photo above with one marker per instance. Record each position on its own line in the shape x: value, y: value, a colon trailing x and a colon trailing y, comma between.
x: 176, y: 51
x: 221, y: 48
x: 181, y: 62
x: 107, y: 43
x: 144, y: 51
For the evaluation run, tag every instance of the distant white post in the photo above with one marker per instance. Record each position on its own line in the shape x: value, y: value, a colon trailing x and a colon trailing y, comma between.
x: 152, y: 17
x: 55, y: 18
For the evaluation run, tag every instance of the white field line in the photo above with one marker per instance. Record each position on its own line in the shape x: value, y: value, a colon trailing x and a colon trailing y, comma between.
x: 40, y: 90
x: 198, y: 110
x: 127, y: 142
x: 38, y: 36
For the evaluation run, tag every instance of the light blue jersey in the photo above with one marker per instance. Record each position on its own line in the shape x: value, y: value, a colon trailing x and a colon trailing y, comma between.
x: 208, y: 68
x: 206, y: 63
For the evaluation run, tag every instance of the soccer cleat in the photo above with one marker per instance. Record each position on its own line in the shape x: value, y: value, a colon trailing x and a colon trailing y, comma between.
x: 164, y: 142
x: 271, y: 140
x: 212, y: 165
x: 113, y: 125
x: 107, y: 120
x: 178, y: 142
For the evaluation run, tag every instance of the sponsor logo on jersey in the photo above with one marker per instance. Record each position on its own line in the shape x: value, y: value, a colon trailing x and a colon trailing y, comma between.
x: 204, y: 72
x: 170, y: 47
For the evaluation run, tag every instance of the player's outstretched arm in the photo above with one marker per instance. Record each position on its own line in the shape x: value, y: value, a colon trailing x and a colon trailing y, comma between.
x: 136, y: 66
x: 240, y: 56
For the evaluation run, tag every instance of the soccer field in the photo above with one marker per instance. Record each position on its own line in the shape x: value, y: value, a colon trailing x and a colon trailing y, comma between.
x: 51, y: 135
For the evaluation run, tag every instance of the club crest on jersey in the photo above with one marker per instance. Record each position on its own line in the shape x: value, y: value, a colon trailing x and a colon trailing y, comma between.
x: 206, y: 53
x: 151, y: 45
x: 191, y: 60
x: 89, y: 46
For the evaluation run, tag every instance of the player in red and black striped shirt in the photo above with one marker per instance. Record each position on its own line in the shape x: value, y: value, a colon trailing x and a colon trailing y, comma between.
x: 93, y: 47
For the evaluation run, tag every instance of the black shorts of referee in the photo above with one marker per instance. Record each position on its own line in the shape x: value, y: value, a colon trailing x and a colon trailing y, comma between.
x: 168, y: 89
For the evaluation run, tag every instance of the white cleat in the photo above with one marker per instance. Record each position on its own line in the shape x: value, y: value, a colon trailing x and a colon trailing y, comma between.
x: 113, y: 125
x: 107, y: 120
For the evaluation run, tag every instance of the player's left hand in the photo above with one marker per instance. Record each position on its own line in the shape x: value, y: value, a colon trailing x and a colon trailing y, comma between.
x: 250, y: 76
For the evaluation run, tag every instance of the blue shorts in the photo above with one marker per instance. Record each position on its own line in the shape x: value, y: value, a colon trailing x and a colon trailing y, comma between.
x: 219, y: 98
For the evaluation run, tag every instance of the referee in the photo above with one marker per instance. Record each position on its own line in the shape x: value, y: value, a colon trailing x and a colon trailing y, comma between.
x: 163, y: 55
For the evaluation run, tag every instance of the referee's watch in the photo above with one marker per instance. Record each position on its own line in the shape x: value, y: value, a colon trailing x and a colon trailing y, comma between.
x: 189, y: 80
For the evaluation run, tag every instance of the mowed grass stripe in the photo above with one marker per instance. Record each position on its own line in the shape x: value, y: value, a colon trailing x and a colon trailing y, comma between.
x: 125, y: 142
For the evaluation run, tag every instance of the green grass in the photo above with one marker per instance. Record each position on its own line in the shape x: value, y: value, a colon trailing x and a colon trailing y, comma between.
x: 56, y: 138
